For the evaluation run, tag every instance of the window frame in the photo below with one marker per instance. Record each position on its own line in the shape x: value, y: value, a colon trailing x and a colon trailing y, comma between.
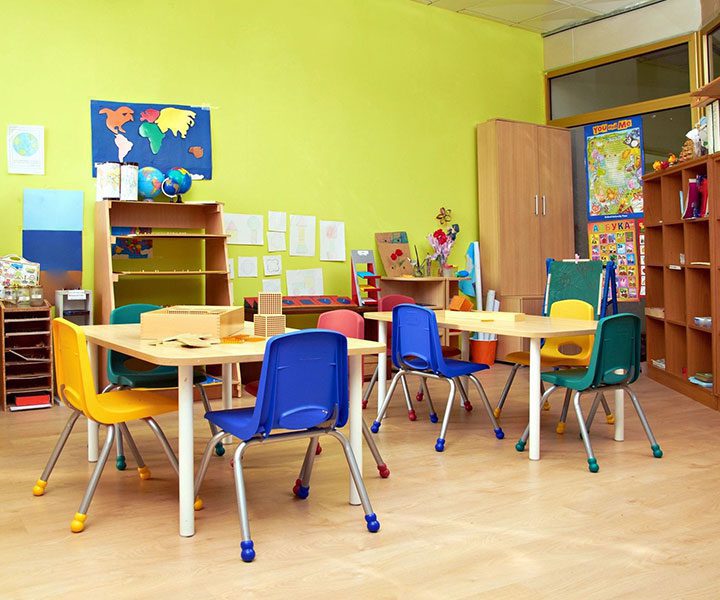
x: 705, y: 50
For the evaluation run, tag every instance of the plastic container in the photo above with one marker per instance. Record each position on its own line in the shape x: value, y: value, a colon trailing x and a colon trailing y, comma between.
x: 23, y: 296
x: 36, y: 295
x: 483, y: 351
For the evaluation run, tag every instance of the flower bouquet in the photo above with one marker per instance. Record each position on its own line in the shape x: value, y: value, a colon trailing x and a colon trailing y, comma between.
x: 441, y: 243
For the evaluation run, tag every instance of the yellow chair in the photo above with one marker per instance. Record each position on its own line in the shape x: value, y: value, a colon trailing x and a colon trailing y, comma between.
x: 75, y: 386
x: 552, y: 355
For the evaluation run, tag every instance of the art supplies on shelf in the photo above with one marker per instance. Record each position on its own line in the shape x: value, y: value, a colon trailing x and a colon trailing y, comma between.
x: 701, y: 383
x: 658, y: 363
x: 705, y: 322
x: 694, y: 203
x: 30, y: 402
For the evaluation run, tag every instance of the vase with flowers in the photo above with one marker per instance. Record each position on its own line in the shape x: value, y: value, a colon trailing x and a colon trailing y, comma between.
x: 441, y: 242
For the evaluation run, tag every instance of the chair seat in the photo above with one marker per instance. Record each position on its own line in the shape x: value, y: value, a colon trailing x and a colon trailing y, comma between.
x: 453, y: 368
x: 236, y: 421
x: 523, y: 358
x: 159, y: 377
x: 450, y: 351
x: 567, y: 378
x: 120, y: 406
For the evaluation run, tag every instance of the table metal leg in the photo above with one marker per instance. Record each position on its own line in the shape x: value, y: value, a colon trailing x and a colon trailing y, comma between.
x: 382, y: 365
x: 534, y: 407
x: 355, y: 418
x: 227, y: 385
x: 464, y: 355
x: 92, y: 427
x: 619, y: 415
x: 186, y: 470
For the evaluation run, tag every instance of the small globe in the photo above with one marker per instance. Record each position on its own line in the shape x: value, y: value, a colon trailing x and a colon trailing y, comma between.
x: 149, y: 182
x: 25, y: 144
x: 177, y: 181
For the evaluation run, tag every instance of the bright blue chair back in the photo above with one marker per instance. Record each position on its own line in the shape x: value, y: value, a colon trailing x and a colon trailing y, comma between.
x: 415, y: 339
x: 304, y: 381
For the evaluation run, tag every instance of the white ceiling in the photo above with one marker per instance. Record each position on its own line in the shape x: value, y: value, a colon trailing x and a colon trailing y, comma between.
x: 541, y: 16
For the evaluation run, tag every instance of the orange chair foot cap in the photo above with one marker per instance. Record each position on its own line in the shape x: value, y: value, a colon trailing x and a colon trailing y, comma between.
x: 78, y: 523
x: 144, y: 472
x: 198, y: 504
x: 610, y: 419
x: 546, y: 405
x: 560, y: 427
x: 39, y: 487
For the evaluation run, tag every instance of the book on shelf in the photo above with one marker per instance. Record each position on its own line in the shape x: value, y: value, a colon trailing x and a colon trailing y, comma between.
x: 694, y: 204
x: 715, y: 132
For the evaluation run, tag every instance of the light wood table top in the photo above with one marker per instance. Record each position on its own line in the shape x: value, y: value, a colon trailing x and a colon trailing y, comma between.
x: 126, y: 339
x: 531, y: 327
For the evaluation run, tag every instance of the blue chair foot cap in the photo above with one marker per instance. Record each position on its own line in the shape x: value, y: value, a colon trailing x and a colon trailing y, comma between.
x: 499, y: 433
x: 433, y: 418
x: 375, y: 427
x: 657, y: 453
x: 373, y: 524
x: 302, y: 492
x: 592, y: 465
x: 120, y: 463
x: 520, y: 446
x: 440, y: 445
x: 247, y: 552
x: 219, y: 449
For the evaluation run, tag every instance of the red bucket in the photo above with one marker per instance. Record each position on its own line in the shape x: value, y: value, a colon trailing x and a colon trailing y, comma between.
x: 483, y: 351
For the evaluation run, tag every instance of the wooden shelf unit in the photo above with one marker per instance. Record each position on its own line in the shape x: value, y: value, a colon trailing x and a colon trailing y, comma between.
x: 682, y: 289
x: 26, y: 353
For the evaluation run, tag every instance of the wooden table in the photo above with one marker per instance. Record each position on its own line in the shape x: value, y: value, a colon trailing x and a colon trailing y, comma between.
x: 532, y: 327
x: 126, y: 339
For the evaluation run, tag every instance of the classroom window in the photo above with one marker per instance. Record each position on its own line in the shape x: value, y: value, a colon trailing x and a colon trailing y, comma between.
x: 648, y: 76
x: 713, y: 49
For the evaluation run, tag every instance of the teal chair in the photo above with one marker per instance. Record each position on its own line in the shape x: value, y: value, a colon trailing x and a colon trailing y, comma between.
x: 125, y: 372
x: 614, y: 364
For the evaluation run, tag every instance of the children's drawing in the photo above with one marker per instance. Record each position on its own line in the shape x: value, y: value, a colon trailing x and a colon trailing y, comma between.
x: 332, y: 240
x: 247, y: 266
x: 304, y: 282
x: 302, y: 235
x: 272, y: 265
x: 276, y: 241
x: 277, y: 221
x: 246, y: 230
x: 272, y: 285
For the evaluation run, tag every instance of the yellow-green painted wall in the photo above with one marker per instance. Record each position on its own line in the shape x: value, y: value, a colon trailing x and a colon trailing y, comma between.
x: 353, y: 110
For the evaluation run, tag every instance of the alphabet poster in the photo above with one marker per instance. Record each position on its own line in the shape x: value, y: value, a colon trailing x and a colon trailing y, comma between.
x: 619, y: 241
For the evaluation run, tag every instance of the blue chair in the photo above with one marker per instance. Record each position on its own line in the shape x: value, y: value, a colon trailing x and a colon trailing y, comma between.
x: 303, y: 388
x: 126, y: 372
x: 416, y: 350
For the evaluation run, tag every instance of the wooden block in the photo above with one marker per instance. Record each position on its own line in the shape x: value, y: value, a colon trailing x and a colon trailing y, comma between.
x: 460, y: 303
x: 269, y: 303
x: 269, y: 325
x: 214, y: 321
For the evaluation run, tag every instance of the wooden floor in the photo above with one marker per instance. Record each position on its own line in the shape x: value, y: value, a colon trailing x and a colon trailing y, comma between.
x: 479, y: 520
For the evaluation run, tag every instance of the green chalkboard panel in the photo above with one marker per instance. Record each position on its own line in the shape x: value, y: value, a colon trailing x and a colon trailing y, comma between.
x: 582, y: 280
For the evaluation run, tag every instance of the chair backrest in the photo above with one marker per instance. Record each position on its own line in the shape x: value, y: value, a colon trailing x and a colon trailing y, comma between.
x: 572, y: 280
x: 616, y: 352
x: 392, y: 300
x: 304, y: 381
x: 73, y: 376
x: 124, y: 315
x: 415, y: 339
x: 344, y: 321
x: 572, y: 309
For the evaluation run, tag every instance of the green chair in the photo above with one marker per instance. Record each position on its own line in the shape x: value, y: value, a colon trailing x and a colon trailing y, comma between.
x: 614, y: 364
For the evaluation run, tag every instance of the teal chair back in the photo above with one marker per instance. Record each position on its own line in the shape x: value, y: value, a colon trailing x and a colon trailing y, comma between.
x: 616, y: 352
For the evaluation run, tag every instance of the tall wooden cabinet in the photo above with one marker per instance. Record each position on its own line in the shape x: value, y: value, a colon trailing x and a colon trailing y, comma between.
x: 525, y: 209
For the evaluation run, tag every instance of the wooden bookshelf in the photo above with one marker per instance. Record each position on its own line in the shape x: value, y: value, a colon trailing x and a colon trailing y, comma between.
x: 682, y: 258
x: 706, y: 94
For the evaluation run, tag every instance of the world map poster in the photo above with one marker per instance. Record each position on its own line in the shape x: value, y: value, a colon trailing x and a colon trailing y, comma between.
x: 156, y: 135
x: 620, y: 241
x: 614, y: 161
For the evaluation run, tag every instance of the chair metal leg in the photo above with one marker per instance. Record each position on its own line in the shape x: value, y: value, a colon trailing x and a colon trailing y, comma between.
x: 411, y: 410
x: 381, y: 466
x: 160, y: 435
x: 522, y: 442
x: 371, y: 521
x: 560, y: 427
x: 546, y: 404
x: 426, y: 392
x: 125, y: 432
x: 499, y: 434
x: 41, y: 484
x: 375, y: 427
x: 609, y: 416
x: 302, y: 485
x: 219, y: 448
x: 464, y: 400
x: 657, y: 452
x: 120, y: 463
x: 592, y: 461
x: 593, y: 410
x: 78, y: 522
x: 247, y: 550
x: 440, y: 442
x: 369, y: 388
x: 205, y: 461
x: 506, y: 390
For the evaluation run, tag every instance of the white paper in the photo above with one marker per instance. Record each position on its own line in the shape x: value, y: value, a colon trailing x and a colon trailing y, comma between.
x: 77, y: 295
x: 26, y: 149
x: 276, y: 241
x: 272, y: 265
x: 231, y: 268
x: 302, y: 235
x: 247, y: 266
x: 272, y: 285
x: 277, y: 221
x: 243, y: 229
x: 332, y: 240
x: 304, y: 282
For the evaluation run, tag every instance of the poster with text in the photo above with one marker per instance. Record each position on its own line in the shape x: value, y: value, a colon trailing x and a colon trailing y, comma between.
x: 614, y: 162
x: 618, y: 241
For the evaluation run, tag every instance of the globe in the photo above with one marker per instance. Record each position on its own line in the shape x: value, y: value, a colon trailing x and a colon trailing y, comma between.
x: 149, y: 182
x: 177, y: 181
x: 25, y: 144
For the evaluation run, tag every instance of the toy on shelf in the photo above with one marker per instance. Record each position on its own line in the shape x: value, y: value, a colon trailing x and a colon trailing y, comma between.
x: 269, y: 321
x: 365, y: 290
x: 670, y: 162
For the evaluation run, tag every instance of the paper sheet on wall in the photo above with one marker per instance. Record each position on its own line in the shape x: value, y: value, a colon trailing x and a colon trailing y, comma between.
x: 247, y: 266
x: 231, y: 268
x: 52, y: 210
x: 276, y: 241
x: 26, y: 149
x: 302, y: 235
x: 243, y: 229
x: 272, y: 285
x: 277, y: 221
x: 332, y: 240
x: 304, y: 282
x: 272, y: 265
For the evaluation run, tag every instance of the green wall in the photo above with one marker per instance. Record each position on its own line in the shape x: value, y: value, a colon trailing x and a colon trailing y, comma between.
x: 354, y: 110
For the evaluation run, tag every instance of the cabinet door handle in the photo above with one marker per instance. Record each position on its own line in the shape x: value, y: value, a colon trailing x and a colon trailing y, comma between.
x: 543, y: 204
x: 536, y: 204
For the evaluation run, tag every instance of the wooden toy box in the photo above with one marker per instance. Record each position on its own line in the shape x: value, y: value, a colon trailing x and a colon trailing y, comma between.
x: 216, y: 321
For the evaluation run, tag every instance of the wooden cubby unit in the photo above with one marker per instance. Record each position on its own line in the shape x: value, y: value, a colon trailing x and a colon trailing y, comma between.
x: 682, y: 278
